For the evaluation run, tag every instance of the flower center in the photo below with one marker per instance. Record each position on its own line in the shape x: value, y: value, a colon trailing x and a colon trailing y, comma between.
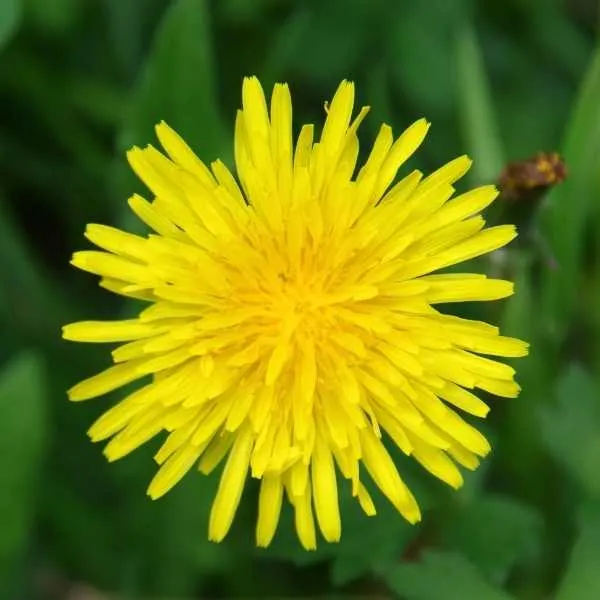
x: 300, y: 306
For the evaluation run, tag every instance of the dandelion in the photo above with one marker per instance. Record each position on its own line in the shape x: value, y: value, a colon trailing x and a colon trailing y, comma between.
x: 291, y: 325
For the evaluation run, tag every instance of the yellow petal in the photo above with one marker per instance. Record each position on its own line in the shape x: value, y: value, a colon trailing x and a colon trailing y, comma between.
x: 437, y: 462
x: 469, y: 289
x: 117, y: 241
x: 231, y: 486
x: 215, y: 453
x: 183, y: 155
x: 464, y: 400
x: 383, y: 471
x: 106, y: 381
x: 304, y: 521
x: 325, y: 492
x: 402, y: 149
x: 269, y: 507
x: 107, y: 331
x: 366, y: 503
x: 152, y: 216
x: 173, y: 470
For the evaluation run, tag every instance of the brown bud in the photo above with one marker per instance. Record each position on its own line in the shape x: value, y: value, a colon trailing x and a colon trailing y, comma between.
x: 525, y: 180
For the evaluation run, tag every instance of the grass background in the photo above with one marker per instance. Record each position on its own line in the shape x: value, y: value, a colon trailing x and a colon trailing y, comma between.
x: 81, y: 81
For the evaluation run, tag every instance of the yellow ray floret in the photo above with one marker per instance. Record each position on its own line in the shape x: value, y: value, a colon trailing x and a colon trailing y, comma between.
x: 292, y: 321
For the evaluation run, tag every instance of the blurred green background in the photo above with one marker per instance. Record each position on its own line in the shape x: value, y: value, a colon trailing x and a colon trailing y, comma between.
x: 82, y: 80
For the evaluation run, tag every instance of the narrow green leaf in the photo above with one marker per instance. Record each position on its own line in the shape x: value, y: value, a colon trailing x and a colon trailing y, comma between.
x: 285, y: 43
x: 129, y: 25
x: 572, y: 205
x: 178, y: 85
x: 10, y: 16
x: 522, y: 449
x: 22, y: 437
x: 551, y: 24
x: 582, y: 579
x: 478, y: 118
x: 378, y: 92
x: 519, y: 308
x: 441, y: 575
x: 420, y: 30
x: 332, y: 35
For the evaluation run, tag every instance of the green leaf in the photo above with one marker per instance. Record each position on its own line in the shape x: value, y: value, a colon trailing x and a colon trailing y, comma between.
x: 582, y: 578
x: 519, y: 308
x: 571, y: 205
x: 184, y: 555
x: 441, y: 575
x: 178, y: 85
x: 369, y: 542
x: 243, y: 11
x: 333, y: 37
x: 285, y: 43
x: 56, y: 18
x: 378, y: 93
x: 385, y: 535
x: 419, y: 49
x: 495, y: 533
x: 97, y: 99
x: 168, y: 537
x: 571, y: 429
x: 522, y: 450
x: 22, y: 437
x: 478, y: 119
x: 72, y: 521
x: 10, y: 16
x: 130, y: 24
x: 551, y: 24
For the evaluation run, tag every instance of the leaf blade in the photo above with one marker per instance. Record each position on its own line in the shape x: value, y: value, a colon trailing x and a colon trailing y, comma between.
x: 22, y: 440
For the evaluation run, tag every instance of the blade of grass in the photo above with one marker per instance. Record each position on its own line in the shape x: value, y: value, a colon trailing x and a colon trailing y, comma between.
x: 478, y: 120
x: 571, y: 206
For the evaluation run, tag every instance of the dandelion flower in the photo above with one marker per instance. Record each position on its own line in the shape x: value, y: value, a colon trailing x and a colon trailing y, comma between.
x: 292, y: 321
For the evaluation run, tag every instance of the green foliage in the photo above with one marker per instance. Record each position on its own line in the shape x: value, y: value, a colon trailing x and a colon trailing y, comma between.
x: 385, y: 536
x: 573, y: 436
x: 10, y: 14
x: 430, y: 49
x: 495, y: 533
x: 582, y: 578
x: 571, y: 207
x: 441, y: 575
x: 477, y: 109
x: 174, y: 556
x: 177, y: 85
x: 81, y: 82
x: 181, y: 61
x: 22, y: 441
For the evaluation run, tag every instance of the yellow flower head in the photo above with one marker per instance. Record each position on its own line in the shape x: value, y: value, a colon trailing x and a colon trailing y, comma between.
x: 291, y: 318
